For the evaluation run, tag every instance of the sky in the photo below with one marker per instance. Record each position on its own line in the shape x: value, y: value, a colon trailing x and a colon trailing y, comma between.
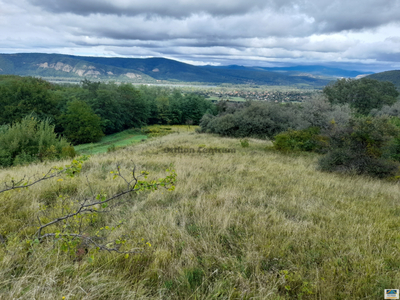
x: 360, y: 35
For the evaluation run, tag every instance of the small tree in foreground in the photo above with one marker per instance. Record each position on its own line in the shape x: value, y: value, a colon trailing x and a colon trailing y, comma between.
x: 31, y: 140
x: 71, y: 223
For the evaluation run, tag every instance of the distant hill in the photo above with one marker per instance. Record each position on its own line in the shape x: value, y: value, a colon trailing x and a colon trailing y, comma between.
x: 151, y: 70
x: 171, y: 70
x: 296, y: 70
x: 65, y: 66
x: 392, y: 76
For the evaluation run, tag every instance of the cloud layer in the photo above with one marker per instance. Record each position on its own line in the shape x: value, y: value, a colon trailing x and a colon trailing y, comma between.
x: 250, y: 32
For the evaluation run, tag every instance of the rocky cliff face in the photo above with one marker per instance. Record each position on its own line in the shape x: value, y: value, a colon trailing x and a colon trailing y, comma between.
x: 87, y: 71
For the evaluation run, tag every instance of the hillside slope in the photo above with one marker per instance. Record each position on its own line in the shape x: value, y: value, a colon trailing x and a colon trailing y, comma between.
x: 312, y: 70
x: 63, y: 66
x: 252, y: 224
x: 392, y: 76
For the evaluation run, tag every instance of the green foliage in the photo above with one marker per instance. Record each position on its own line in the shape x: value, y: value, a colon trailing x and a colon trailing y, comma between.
x: 394, y: 146
x: 392, y: 76
x: 363, y: 95
x: 244, y: 143
x: 114, y: 107
x: 318, y: 112
x: 387, y: 110
x: 254, y: 119
x: 362, y: 147
x: 156, y: 131
x: 31, y: 140
x: 300, y: 140
x: 81, y: 124
x: 20, y: 96
x: 68, y: 151
x: 111, y: 148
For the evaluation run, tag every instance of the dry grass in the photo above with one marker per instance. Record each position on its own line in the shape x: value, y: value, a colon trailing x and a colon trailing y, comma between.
x: 254, y: 224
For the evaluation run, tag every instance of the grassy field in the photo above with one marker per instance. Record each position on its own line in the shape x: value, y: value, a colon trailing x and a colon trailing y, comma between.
x: 128, y: 137
x: 254, y: 224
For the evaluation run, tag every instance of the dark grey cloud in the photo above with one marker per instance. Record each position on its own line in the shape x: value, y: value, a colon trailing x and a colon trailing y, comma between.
x: 325, y: 15
x: 171, y: 8
x: 249, y: 32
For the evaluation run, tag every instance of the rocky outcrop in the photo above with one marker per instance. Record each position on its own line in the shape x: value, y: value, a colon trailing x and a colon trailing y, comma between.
x: 58, y: 66
x: 133, y: 75
x: 83, y: 71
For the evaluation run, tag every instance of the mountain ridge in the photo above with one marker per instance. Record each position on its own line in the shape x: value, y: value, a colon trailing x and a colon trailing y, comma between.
x: 158, y: 69
x: 392, y: 76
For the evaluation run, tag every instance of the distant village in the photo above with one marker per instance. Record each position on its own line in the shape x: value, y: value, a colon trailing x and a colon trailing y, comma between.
x: 273, y: 96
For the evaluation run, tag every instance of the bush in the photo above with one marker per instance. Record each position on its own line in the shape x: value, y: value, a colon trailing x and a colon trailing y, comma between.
x: 318, y: 112
x: 111, y: 148
x: 363, y: 95
x: 31, y: 140
x: 387, y: 110
x: 244, y: 143
x: 255, y: 119
x: 300, y: 140
x: 362, y: 147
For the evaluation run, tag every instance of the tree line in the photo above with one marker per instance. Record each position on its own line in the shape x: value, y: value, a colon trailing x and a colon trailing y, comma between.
x: 84, y: 113
x: 40, y: 120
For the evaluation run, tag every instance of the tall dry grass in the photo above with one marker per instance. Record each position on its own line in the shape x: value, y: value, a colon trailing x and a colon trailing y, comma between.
x: 254, y: 224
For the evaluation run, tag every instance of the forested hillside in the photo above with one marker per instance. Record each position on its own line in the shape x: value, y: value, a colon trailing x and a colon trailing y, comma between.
x: 391, y: 76
x: 141, y: 70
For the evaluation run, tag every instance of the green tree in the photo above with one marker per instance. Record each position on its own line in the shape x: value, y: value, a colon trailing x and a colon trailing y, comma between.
x: 363, y: 95
x: 20, y: 96
x: 194, y: 107
x: 81, y: 124
x: 136, y: 110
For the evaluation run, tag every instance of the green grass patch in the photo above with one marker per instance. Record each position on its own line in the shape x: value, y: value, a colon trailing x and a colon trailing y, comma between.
x: 120, y: 139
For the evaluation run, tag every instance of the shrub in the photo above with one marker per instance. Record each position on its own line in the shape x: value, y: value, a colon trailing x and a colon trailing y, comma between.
x: 244, y: 143
x: 111, y: 148
x: 318, y: 112
x: 68, y: 151
x: 31, y: 140
x: 387, y: 110
x: 300, y: 140
x: 362, y: 147
x: 255, y: 119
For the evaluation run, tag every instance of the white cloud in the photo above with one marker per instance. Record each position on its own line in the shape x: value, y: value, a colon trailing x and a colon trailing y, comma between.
x: 208, y: 31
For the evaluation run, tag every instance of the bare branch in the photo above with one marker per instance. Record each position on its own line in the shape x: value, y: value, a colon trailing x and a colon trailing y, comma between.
x: 85, y: 207
x: 19, y: 184
x: 52, y: 173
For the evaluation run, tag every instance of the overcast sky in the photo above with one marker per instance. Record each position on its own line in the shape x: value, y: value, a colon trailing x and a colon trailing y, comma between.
x: 344, y: 33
